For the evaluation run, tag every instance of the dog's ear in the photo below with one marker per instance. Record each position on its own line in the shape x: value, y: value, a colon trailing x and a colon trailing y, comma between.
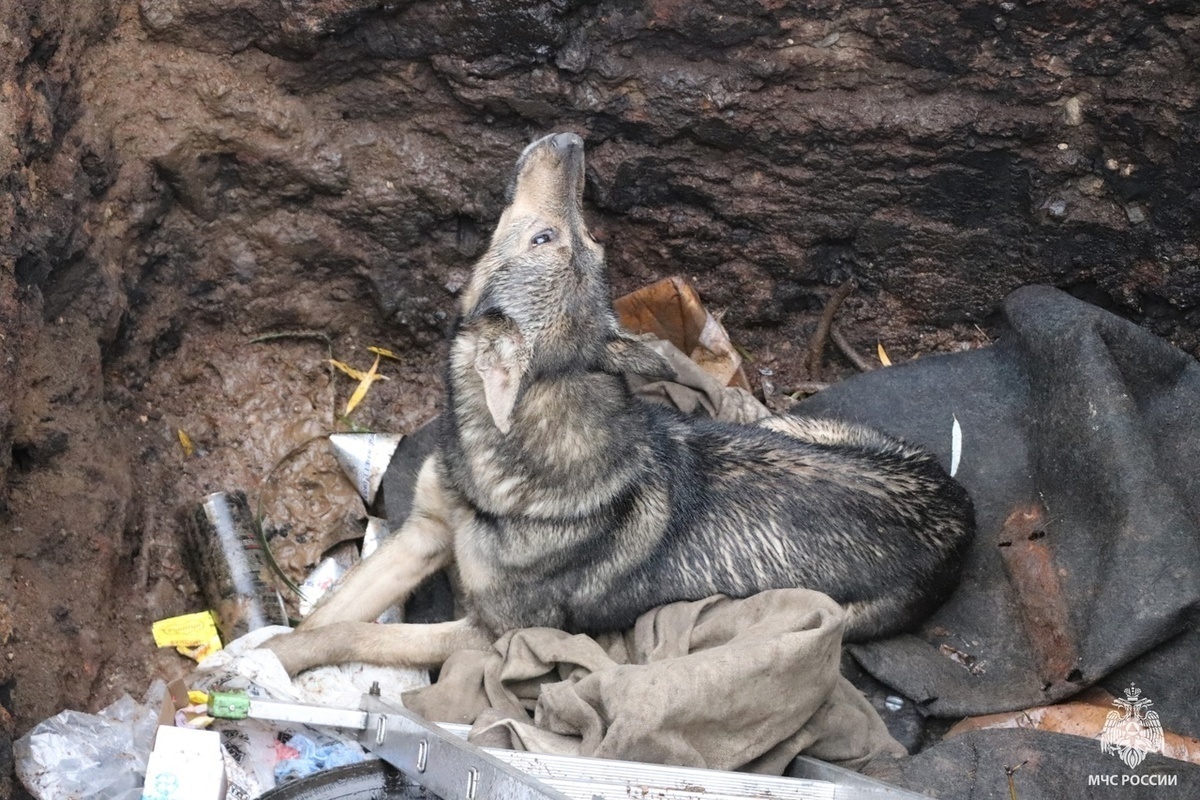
x: 501, y: 358
x: 625, y: 355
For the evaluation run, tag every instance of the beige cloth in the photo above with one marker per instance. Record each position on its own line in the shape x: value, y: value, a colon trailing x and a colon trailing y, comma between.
x: 694, y: 391
x: 717, y: 683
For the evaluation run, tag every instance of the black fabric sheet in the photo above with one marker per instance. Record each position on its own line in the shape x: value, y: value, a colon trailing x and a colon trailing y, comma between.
x: 1083, y: 431
x: 1049, y: 766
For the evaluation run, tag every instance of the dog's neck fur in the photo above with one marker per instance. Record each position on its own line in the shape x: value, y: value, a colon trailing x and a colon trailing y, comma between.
x: 561, y: 416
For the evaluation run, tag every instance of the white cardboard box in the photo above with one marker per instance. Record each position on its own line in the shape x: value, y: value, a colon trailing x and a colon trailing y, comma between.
x: 185, y: 764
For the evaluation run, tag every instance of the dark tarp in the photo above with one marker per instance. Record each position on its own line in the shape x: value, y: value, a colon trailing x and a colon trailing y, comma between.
x: 1081, y: 451
x: 1050, y: 766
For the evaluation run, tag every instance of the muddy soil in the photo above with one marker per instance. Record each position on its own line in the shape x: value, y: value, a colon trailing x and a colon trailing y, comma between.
x: 184, y: 177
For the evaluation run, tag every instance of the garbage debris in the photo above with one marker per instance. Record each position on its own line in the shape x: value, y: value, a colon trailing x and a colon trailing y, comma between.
x: 694, y: 391
x: 227, y: 559
x: 254, y: 748
x: 955, y: 446
x: 301, y: 757
x: 337, y: 562
x: 108, y: 756
x: 965, y: 660
x: 1085, y: 716
x: 195, y: 713
x: 101, y: 756
x: 329, y: 514
x: 377, y: 531
x: 365, y: 457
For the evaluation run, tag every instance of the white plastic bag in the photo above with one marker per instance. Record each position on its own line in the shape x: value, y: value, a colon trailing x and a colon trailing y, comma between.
x: 75, y: 755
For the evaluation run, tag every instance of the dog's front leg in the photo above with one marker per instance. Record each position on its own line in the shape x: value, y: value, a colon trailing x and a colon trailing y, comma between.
x: 420, y: 548
x: 395, y: 645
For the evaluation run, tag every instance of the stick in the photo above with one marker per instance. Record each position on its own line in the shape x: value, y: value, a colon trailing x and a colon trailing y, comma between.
x: 1012, y: 785
x: 816, y: 347
x: 807, y: 387
x: 849, y: 352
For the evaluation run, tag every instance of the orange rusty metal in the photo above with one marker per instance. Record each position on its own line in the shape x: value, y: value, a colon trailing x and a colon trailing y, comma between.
x: 1035, y: 579
x: 1084, y: 716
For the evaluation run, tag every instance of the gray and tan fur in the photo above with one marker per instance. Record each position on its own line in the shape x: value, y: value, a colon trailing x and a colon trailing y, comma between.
x: 561, y: 500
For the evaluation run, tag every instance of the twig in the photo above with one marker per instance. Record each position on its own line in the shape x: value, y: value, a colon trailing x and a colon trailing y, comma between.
x: 267, y: 337
x: 816, y: 347
x: 843, y: 344
x: 807, y: 387
x: 259, y: 530
x: 1012, y: 784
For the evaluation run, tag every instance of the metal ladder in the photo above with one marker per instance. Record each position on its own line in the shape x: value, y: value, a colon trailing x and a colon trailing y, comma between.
x: 441, y: 760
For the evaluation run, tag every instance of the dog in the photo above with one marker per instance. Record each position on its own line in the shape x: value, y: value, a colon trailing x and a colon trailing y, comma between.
x: 563, y: 501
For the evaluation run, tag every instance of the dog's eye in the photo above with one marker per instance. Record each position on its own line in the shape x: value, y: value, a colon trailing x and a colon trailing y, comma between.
x: 545, y: 237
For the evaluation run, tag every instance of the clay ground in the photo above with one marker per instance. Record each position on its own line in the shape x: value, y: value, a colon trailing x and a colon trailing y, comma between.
x: 182, y: 177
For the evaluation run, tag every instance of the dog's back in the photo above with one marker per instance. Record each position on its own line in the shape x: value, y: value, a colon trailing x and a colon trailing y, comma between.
x: 601, y: 506
x: 872, y: 522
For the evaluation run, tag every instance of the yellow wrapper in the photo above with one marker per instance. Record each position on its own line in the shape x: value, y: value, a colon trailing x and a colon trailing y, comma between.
x: 193, y: 635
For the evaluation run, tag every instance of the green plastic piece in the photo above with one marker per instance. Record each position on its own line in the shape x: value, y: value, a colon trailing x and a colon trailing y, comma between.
x: 229, y: 705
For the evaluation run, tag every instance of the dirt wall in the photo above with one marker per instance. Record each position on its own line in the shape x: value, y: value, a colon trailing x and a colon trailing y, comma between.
x: 181, y: 176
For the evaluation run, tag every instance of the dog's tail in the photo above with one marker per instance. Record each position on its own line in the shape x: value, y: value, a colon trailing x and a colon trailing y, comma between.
x: 876, y: 618
x: 834, y: 433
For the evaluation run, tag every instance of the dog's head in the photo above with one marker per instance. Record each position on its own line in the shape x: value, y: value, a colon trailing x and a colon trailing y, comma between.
x: 538, y: 302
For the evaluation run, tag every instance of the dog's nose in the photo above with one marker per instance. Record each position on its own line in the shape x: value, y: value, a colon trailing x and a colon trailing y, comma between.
x: 564, y: 142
